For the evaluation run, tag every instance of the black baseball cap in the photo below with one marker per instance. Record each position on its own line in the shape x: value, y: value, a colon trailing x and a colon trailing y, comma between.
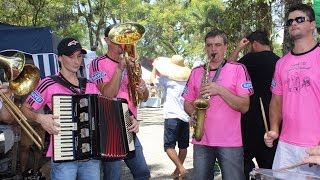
x: 68, y: 46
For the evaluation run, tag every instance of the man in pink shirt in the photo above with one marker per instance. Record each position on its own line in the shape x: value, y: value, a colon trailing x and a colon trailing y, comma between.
x: 296, y: 94
x: 229, y: 87
x: 109, y: 73
x: 70, y: 57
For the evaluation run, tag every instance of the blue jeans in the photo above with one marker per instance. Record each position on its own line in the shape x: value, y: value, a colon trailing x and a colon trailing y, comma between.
x: 80, y: 170
x: 176, y: 130
x: 136, y: 164
x: 230, y: 160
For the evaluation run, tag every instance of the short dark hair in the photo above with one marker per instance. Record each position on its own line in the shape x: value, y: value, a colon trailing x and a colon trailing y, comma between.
x: 215, y: 33
x: 106, y: 32
x: 304, y: 8
x: 259, y: 36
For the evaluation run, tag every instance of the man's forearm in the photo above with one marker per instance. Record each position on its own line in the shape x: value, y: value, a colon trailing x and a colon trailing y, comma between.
x: 235, y: 54
x: 29, y: 113
x: 189, y: 108
x: 275, y: 111
x: 5, y: 116
x: 153, y: 76
x: 111, y: 88
x: 237, y: 103
x: 145, y: 95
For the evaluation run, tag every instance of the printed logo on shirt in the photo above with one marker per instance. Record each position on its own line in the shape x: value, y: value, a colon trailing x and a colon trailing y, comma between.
x: 273, y: 83
x: 247, y: 85
x: 98, y: 75
x: 35, y: 96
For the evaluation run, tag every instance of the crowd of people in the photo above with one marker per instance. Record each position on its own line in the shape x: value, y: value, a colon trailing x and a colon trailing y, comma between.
x: 239, y: 93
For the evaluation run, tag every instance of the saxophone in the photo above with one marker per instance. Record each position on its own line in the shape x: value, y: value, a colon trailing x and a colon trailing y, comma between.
x: 127, y: 35
x: 202, y: 104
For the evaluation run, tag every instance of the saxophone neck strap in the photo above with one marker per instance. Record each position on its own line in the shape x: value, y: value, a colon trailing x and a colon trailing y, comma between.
x: 215, y: 77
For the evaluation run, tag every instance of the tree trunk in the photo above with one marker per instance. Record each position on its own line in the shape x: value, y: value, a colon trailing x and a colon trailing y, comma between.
x: 287, y: 42
x: 264, y: 17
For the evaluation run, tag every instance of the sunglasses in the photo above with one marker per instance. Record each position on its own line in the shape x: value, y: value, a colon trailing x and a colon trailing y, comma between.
x: 299, y: 20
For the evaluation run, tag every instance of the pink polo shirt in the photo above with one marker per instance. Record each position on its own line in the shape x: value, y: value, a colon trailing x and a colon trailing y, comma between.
x: 102, y: 69
x: 222, y: 125
x: 297, y: 80
x: 42, y: 95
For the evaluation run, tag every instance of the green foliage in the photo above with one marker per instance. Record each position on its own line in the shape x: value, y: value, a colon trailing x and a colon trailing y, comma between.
x: 277, y: 49
x: 56, y: 14
x: 172, y: 26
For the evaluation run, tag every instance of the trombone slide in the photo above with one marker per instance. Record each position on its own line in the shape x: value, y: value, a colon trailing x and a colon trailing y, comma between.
x: 21, y: 120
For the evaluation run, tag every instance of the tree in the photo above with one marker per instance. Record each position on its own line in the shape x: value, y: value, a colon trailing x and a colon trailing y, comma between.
x: 94, y: 14
x: 172, y: 26
x: 287, y: 42
x: 56, y: 14
x: 15, y: 12
x: 242, y: 17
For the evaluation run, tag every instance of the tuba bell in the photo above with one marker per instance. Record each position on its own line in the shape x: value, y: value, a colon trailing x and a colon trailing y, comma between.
x: 22, y: 80
x: 127, y: 35
x: 12, y: 66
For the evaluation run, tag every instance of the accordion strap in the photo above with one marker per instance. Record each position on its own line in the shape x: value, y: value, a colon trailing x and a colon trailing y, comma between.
x: 61, y: 80
x: 82, y: 84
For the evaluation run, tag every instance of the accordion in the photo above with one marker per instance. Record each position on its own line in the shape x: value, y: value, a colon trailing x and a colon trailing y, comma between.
x: 91, y: 126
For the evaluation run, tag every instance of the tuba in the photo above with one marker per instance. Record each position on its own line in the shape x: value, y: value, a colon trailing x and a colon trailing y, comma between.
x: 126, y: 35
x: 202, y: 104
x: 22, y: 80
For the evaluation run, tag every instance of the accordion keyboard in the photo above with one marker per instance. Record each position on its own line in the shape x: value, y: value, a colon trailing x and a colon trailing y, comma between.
x: 63, y: 142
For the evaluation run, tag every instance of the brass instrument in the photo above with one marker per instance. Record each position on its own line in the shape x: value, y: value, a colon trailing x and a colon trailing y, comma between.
x: 12, y: 66
x: 202, y: 104
x: 22, y: 79
x: 126, y: 35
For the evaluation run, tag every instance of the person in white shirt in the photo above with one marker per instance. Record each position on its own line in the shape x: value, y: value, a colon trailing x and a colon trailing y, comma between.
x: 173, y: 75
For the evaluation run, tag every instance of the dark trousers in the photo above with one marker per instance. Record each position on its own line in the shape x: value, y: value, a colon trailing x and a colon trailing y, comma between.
x: 253, y: 145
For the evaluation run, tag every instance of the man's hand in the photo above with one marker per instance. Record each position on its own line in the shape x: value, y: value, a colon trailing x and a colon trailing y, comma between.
x: 193, y: 119
x: 5, y: 89
x: 122, y: 63
x: 243, y: 43
x: 269, y: 137
x: 314, y: 155
x: 142, y: 90
x: 5, y: 115
x: 142, y: 87
x: 48, y: 123
x: 134, y: 127
x: 210, y: 89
